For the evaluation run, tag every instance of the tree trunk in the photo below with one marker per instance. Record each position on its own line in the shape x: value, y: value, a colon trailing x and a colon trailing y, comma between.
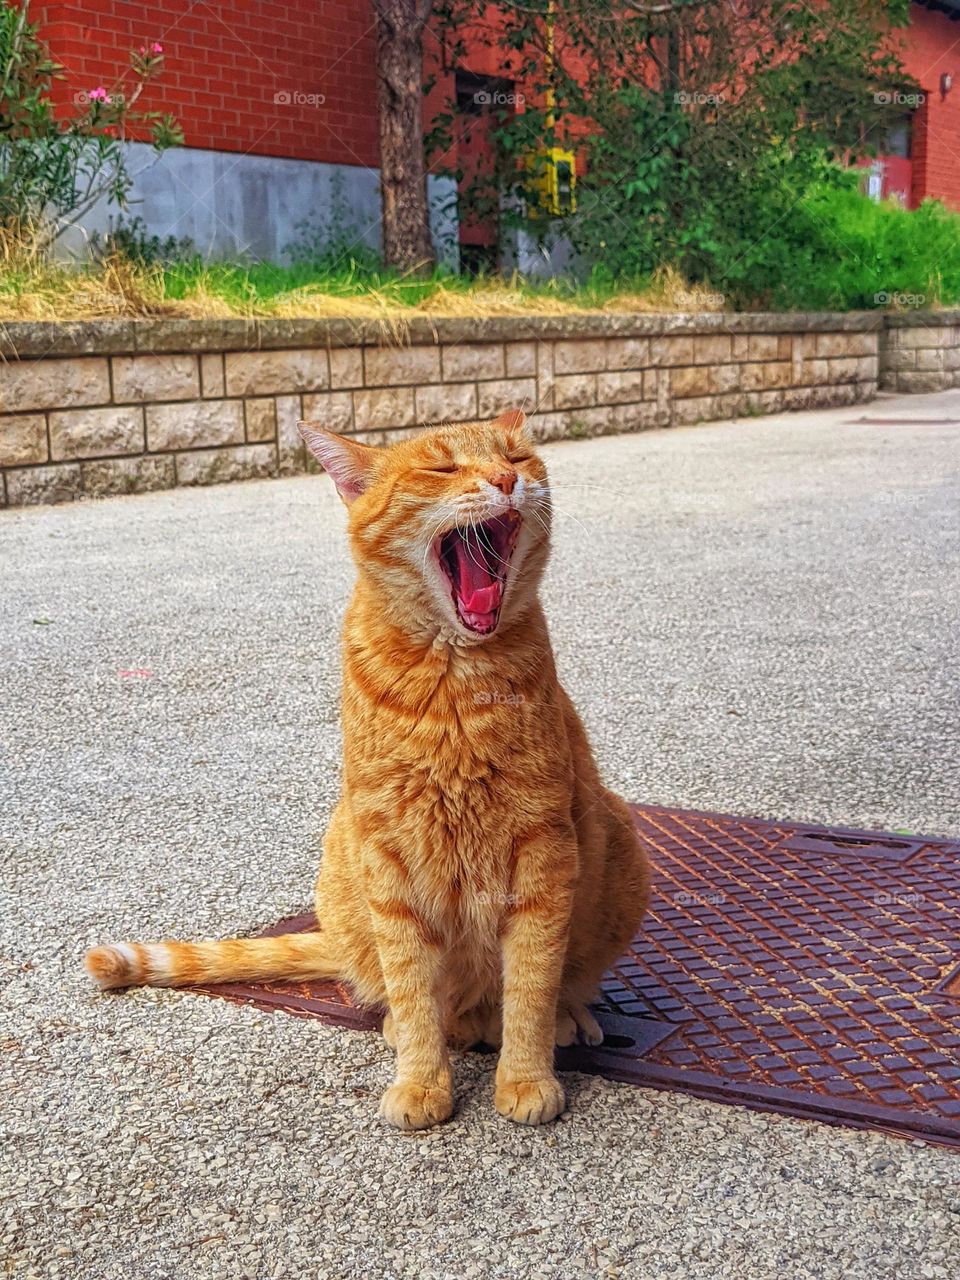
x: 403, y: 183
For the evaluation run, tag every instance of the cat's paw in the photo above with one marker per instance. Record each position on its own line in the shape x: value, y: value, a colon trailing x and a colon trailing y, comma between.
x: 590, y: 1030
x: 480, y: 1025
x: 576, y: 1024
x: 414, y: 1106
x: 566, y: 1033
x: 530, y: 1101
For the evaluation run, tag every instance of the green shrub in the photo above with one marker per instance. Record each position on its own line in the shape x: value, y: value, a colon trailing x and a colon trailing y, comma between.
x: 783, y: 229
x: 847, y: 251
x: 54, y: 167
x: 129, y: 238
x: 831, y: 247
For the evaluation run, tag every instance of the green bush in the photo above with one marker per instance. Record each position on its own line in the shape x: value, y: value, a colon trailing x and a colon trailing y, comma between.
x: 843, y: 250
x: 782, y: 228
x: 56, y: 165
x: 129, y: 238
x: 709, y: 148
x: 830, y: 247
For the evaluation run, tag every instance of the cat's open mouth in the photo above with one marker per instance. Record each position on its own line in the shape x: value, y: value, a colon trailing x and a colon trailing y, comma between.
x: 475, y: 561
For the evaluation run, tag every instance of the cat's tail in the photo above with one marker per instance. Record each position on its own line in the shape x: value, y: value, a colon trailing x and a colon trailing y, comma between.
x: 183, y: 964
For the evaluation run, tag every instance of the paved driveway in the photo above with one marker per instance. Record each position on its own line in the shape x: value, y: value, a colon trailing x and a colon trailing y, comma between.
x: 757, y: 616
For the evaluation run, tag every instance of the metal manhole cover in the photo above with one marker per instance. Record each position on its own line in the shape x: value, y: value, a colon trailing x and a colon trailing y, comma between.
x: 785, y: 967
x: 909, y: 422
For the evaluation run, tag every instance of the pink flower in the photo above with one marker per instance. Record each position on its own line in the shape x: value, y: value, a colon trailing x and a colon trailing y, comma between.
x: 99, y: 94
x: 156, y: 48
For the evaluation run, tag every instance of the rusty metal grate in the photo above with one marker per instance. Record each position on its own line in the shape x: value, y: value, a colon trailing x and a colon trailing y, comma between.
x: 784, y: 967
x: 909, y: 422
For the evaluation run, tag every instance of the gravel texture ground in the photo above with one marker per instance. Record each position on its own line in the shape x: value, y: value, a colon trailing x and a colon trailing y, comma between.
x: 759, y: 617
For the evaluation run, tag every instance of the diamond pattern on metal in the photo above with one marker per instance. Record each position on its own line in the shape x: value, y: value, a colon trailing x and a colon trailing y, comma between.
x: 782, y: 966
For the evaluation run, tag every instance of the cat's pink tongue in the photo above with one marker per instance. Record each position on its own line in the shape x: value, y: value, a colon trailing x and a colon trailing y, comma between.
x: 479, y: 590
x: 482, y: 599
x: 479, y: 608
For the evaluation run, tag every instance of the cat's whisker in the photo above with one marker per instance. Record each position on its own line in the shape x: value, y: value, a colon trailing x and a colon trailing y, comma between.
x: 472, y: 546
x: 540, y: 520
x: 541, y: 503
x: 561, y: 485
x: 439, y: 522
x: 568, y: 515
x: 459, y: 757
x: 468, y: 544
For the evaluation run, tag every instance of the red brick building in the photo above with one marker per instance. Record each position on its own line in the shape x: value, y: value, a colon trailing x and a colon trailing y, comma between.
x: 931, y: 54
x: 229, y: 65
x: 278, y: 105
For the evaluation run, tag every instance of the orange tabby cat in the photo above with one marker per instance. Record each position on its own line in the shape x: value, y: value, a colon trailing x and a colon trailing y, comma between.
x: 477, y: 877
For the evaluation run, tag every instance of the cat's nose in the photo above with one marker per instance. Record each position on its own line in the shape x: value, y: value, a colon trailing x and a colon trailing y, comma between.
x: 504, y: 480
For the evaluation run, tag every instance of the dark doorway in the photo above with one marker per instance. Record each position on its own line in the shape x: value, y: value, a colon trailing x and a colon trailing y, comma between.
x: 481, y: 102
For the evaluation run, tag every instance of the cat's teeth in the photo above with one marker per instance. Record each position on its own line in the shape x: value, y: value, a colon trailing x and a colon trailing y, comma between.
x: 480, y: 622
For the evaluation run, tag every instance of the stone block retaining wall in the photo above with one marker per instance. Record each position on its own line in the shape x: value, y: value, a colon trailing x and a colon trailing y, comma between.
x: 107, y: 407
x: 920, y: 351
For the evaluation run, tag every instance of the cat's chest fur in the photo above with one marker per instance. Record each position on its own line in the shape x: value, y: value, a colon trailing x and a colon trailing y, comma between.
x: 454, y: 780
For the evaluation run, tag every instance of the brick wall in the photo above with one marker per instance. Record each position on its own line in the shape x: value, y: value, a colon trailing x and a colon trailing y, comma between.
x: 225, y: 64
x: 930, y: 47
x: 110, y: 407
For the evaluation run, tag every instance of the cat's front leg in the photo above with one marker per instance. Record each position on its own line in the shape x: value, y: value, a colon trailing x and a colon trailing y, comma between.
x: 534, y: 948
x: 410, y: 957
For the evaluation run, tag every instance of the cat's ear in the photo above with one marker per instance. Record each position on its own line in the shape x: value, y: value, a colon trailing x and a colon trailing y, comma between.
x: 348, y: 462
x: 512, y: 420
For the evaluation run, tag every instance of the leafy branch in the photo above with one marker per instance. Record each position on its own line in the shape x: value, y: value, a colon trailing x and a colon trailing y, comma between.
x: 54, y: 165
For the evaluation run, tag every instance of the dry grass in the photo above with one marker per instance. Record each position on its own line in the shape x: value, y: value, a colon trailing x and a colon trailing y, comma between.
x: 32, y: 288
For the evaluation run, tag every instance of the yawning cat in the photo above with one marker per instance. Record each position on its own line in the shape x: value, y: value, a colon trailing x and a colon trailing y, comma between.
x: 477, y: 877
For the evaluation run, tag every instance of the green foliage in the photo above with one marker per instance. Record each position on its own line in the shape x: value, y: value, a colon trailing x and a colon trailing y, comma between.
x: 838, y: 249
x: 244, y: 285
x: 776, y: 225
x: 130, y: 239
x: 790, y: 231
x: 327, y: 241
x: 55, y: 165
x: 718, y: 146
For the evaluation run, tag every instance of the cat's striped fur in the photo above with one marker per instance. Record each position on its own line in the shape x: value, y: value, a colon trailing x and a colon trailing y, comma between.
x: 477, y: 877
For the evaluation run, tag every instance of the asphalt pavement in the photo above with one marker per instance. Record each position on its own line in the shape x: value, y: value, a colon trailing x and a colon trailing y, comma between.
x: 759, y: 617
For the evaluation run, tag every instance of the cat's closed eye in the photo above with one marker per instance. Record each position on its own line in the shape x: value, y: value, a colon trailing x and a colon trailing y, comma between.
x: 440, y: 468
